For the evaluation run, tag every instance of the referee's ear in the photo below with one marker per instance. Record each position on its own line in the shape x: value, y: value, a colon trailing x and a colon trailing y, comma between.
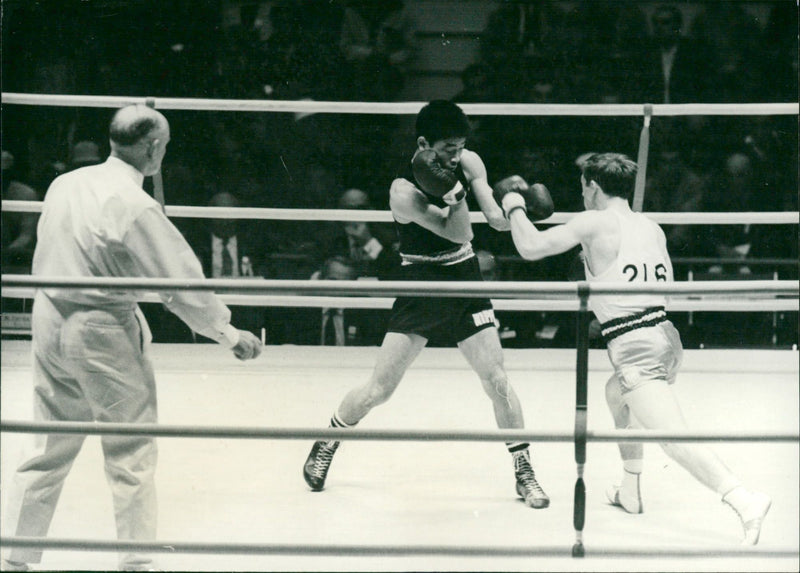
x: 152, y: 145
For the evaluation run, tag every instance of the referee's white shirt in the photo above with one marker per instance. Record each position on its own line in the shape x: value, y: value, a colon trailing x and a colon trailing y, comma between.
x: 98, y: 221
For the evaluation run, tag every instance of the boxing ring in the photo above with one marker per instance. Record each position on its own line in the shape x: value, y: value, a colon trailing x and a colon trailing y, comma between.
x: 431, y: 498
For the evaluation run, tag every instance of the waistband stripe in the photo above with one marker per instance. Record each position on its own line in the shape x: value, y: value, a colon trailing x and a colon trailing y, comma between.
x: 619, y: 326
x: 452, y: 257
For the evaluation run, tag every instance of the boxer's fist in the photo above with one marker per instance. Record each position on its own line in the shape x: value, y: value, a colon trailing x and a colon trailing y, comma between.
x: 512, y: 184
x: 431, y: 176
x: 249, y: 346
x: 538, y: 203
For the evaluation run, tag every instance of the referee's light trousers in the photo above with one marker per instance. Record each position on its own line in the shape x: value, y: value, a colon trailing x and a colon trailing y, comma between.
x: 89, y: 365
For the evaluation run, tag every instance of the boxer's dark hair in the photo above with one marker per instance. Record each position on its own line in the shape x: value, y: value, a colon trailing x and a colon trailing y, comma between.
x: 614, y: 172
x: 442, y: 119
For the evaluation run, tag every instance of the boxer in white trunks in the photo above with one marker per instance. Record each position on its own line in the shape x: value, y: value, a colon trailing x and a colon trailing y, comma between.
x: 620, y: 245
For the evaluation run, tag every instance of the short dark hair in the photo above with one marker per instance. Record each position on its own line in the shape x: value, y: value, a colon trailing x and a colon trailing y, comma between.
x: 131, y: 133
x: 442, y: 119
x: 614, y: 172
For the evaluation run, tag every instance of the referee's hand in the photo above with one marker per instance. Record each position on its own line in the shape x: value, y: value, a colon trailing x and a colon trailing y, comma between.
x: 249, y: 346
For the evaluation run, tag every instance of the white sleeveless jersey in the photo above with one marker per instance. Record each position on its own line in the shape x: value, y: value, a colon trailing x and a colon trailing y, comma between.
x: 642, y: 257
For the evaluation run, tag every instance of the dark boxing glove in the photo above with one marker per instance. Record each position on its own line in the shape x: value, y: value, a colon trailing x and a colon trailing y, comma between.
x: 537, y: 201
x: 435, y: 179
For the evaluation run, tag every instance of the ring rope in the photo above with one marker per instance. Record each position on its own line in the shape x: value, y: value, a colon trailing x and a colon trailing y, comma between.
x: 400, y: 108
x: 776, y: 261
x: 381, y: 550
x: 384, y: 303
x: 471, y: 289
x: 503, y: 435
x: 378, y: 216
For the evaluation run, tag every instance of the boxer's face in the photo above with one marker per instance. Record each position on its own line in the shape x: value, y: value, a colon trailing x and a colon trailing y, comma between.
x: 588, y: 190
x: 449, y: 151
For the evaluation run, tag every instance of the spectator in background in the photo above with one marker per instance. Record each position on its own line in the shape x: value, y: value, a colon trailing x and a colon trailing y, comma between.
x: 82, y: 154
x: 734, y: 39
x: 234, y: 164
x: 330, y: 326
x: 352, y: 326
x: 332, y: 331
x: 771, y: 144
x: 536, y: 46
x: 736, y: 187
x: 780, y: 63
x: 371, y: 247
x: 617, y: 33
x: 739, y: 185
x: 300, y: 55
x: 276, y: 71
x: 515, y: 31
x: 674, y: 186
x: 18, y: 228
x: 313, y: 157
x: 476, y: 85
x: 377, y: 44
x: 238, y: 58
x: 223, y: 250
x: 227, y: 250
x: 675, y: 68
x: 377, y: 41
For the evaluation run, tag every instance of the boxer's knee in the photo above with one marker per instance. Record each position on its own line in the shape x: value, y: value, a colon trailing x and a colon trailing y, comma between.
x: 496, y: 384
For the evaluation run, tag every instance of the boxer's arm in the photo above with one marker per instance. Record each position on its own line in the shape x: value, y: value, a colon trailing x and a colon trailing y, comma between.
x: 478, y: 180
x: 408, y: 204
x: 534, y: 244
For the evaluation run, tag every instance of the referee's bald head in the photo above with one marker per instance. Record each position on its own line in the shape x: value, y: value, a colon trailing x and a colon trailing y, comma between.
x: 139, y: 136
x: 132, y: 123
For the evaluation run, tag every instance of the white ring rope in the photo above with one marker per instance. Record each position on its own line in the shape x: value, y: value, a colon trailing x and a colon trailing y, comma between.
x: 183, y: 211
x: 469, y: 289
x: 422, y: 435
x: 379, y: 303
x: 385, y: 550
x: 529, y: 305
x: 397, y: 108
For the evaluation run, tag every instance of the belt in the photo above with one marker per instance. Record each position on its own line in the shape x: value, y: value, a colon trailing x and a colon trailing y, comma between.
x: 444, y: 258
x: 619, y: 326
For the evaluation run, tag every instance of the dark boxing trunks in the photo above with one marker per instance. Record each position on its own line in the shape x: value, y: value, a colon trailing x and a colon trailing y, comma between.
x: 443, y: 320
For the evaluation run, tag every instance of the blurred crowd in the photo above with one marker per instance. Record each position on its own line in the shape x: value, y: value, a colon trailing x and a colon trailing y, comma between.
x: 362, y: 50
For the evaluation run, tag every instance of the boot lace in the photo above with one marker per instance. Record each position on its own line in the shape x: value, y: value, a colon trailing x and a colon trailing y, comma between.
x: 526, y: 475
x: 323, y: 459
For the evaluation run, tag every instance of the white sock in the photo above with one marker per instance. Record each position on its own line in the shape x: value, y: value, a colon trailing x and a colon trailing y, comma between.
x: 633, y: 466
x: 630, y: 482
x: 738, y: 498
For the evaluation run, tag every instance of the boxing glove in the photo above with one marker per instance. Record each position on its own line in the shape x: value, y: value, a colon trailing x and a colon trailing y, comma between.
x: 537, y: 201
x: 435, y: 179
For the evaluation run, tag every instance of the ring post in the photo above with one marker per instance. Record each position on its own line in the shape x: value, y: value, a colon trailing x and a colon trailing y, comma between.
x: 581, y: 399
x: 641, y: 160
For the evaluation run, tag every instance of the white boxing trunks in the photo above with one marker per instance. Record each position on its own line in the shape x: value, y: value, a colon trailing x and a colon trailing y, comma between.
x: 645, y: 355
